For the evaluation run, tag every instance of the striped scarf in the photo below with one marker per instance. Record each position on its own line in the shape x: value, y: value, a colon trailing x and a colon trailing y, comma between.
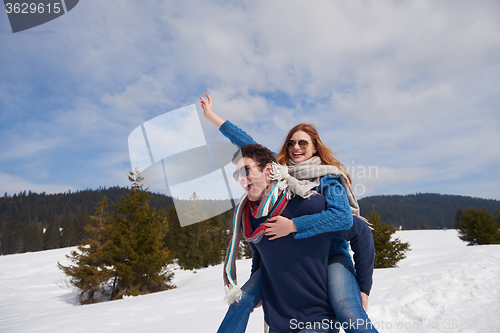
x: 276, y: 199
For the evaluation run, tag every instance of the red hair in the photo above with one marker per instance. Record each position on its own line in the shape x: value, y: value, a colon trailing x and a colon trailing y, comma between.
x: 324, y: 153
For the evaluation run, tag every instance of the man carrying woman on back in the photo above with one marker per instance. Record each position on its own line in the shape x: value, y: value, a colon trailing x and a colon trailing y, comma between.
x: 305, y: 168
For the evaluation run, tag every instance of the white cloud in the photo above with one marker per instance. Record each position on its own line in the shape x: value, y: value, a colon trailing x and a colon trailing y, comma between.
x: 369, y: 179
x: 19, y: 147
x: 137, y: 97
x: 239, y: 106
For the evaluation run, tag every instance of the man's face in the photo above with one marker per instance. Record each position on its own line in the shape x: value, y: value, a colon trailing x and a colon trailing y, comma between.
x: 256, y: 182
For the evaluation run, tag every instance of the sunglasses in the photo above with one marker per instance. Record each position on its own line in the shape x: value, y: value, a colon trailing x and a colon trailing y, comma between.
x: 302, y: 143
x: 243, y: 171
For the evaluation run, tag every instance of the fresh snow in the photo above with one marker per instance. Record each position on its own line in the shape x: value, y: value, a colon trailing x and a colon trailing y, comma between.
x: 442, y: 286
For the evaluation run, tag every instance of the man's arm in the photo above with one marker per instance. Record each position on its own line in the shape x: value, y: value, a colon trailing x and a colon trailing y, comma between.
x: 256, y: 260
x: 361, y: 239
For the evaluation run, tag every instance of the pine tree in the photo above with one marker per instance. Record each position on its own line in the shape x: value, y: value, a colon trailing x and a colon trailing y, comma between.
x: 477, y: 227
x: 219, y: 239
x: 424, y: 226
x: 34, y: 237
x: 52, y: 235
x: 92, y: 272
x: 18, y: 243
x: 175, y: 239
x: 5, y: 240
x: 185, y: 241
x: 387, y: 252
x: 497, y: 217
x: 68, y: 237
x: 201, y: 244
x: 125, y: 254
x: 247, y: 251
x: 138, y: 254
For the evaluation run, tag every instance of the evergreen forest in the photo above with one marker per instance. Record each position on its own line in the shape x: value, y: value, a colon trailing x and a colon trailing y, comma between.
x: 423, y: 210
x: 39, y: 221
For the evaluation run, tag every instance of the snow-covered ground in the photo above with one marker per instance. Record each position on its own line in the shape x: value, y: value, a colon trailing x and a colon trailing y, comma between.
x: 442, y: 286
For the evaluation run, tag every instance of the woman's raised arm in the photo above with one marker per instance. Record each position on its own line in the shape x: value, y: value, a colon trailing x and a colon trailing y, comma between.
x: 207, y: 106
x: 235, y: 134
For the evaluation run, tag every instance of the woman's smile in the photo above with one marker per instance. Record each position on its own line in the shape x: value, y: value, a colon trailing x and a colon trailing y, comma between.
x: 299, y: 153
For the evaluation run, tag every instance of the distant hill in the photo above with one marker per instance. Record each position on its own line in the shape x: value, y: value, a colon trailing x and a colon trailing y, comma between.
x: 27, y: 207
x: 437, y: 211
x: 24, y: 216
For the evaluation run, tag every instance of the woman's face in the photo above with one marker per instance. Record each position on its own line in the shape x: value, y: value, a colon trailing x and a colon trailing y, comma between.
x: 300, y: 153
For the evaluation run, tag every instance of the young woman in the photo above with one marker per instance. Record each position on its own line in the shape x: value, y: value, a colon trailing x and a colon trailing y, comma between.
x: 309, y: 160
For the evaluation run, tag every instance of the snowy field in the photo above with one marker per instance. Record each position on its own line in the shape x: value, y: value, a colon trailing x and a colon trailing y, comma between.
x: 442, y: 286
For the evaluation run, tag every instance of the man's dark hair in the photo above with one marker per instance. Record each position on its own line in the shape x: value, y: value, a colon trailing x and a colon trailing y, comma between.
x: 258, y: 153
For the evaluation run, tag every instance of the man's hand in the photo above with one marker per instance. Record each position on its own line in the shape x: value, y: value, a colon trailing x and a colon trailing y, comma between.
x: 278, y: 226
x: 364, y: 301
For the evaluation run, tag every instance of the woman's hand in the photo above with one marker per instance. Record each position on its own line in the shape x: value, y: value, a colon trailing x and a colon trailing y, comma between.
x: 257, y: 306
x: 279, y: 226
x: 206, y: 105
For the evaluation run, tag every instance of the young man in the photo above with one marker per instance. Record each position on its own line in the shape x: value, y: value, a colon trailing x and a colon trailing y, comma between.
x: 293, y: 271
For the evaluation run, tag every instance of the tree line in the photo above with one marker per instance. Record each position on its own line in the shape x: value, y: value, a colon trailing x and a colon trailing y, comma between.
x: 34, y: 222
x: 38, y: 221
x: 421, y: 210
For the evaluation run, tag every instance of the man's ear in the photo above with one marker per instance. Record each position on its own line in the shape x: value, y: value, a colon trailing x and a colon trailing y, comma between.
x: 268, y: 169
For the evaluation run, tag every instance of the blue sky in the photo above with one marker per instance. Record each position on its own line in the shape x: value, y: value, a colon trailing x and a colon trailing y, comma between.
x: 409, y: 89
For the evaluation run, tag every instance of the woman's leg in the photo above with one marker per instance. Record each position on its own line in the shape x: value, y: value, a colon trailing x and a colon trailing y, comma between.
x: 345, y: 296
x: 237, y: 315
